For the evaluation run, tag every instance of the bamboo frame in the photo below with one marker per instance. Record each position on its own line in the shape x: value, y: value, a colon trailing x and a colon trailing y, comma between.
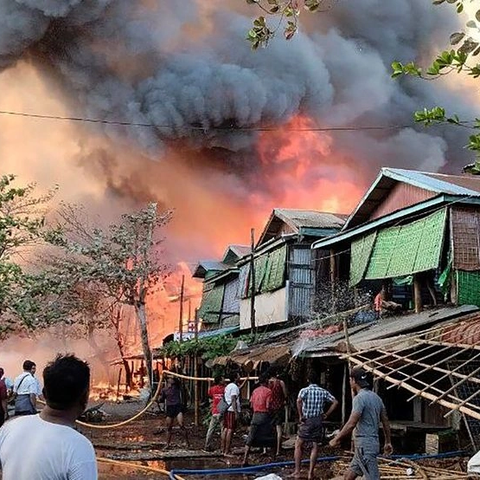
x: 399, y: 383
x: 476, y: 357
x: 429, y: 396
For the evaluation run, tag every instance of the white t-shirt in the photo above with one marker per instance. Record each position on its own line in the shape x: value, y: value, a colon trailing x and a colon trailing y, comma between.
x: 33, y: 449
x: 28, y: 384
x: 231, y: 390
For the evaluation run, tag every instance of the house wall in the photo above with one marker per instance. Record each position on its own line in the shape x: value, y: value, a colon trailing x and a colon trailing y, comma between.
x: 231, y: 304
x: 301, y: 282
x: 270, y: 308
x: 401, y: 196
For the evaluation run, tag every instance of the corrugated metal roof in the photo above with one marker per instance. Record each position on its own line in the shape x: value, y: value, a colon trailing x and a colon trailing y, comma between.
x: 386, y: 328
x: 241, y: 250
x: 235, y: 252
x: 433, y: 182
x: 205, y: 266
x: 310, y: 218
x: 295, y: 220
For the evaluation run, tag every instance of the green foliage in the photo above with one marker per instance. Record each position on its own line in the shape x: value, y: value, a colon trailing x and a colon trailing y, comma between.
x: 288, y: 12
x: 459, y: 60
x: 208, y: 348
x: 122, y: 261
x: 22, y: 225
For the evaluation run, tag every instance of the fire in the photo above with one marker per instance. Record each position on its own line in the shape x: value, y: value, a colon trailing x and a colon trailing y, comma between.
x: 305, y: 170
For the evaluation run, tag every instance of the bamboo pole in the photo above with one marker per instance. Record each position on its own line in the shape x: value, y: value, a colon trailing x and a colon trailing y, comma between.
x: 444, y: 377
x: 427, y: 368
x: 417, y: 293
x: 401, y: 383
x: 180, y: 320
x: 426, y: 395
x: 252, y: 283
x: 195, y: 374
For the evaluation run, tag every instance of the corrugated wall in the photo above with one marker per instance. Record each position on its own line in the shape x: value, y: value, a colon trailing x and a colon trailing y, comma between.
x: 301, y: 281
x: 231, y: 304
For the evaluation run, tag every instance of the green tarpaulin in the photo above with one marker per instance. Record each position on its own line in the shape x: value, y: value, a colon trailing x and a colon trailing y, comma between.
x: 261, y: 267
x: 211, y: 305
x: 361, y: 251
x: 412, y: 248
x: 275, y: 273
x: 468, y: 288
x: 269, y: 271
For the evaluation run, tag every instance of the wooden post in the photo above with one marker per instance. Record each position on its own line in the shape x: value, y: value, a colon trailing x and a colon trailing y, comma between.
x: 195, y: 374
x: 180, y: 320
x: 417, y: 293
x: 118, y: 382
x: 344, y: 393
x: 333, y: 278
x: 252, y: 283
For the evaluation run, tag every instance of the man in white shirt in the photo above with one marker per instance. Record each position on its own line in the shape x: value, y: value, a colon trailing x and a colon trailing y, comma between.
x: 25, y: 388
x: 46, y: 446
x: 232, y: 398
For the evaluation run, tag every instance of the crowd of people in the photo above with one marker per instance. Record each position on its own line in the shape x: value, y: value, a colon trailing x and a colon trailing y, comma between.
x: 314, y: 405
x: 56, y: 450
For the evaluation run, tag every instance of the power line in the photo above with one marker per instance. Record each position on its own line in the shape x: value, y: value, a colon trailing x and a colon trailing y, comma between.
x: 200, y: 128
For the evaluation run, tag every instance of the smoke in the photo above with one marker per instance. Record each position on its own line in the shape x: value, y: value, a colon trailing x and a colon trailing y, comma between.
x: 177, y: 66
x: 184, y: 68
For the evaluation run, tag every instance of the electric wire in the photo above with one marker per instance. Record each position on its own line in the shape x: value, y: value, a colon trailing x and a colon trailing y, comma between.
x: 121, y: 123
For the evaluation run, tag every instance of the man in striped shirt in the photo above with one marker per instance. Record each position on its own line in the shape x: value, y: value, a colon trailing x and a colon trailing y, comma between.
x: 311, y: 403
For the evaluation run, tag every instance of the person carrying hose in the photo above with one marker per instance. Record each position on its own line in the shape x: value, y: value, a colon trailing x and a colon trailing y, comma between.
x: 172, y: 396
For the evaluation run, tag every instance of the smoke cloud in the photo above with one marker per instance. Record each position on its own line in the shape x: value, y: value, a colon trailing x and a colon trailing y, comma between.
x: 185, y: 68
x: 176, y: 65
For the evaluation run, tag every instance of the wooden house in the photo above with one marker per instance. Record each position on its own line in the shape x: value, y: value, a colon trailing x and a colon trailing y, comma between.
x: 220, y: 306
x: 416, y: 234
x: 284, y: 273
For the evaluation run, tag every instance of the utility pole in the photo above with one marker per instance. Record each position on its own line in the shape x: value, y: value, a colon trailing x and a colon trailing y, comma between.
x: 252, y: 283
x: 195, y: 374
x: 180, y: 320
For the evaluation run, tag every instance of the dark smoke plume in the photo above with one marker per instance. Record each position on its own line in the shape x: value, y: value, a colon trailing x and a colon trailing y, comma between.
x: 183, y: 64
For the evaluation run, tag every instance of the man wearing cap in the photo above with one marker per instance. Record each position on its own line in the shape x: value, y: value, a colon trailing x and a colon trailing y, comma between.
x: 368, y: 411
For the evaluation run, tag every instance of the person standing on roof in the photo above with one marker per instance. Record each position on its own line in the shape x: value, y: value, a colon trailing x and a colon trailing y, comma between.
x: 216, y: 394
x: 277, y: 405
x: 368, y: 411
x: 311, y: 403
x: 25, y: 389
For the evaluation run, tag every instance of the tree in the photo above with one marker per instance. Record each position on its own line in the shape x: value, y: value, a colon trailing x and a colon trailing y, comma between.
x: 460, y: 59
x: 262, y: 32
x: 22, y: 225
x: 120, y: 263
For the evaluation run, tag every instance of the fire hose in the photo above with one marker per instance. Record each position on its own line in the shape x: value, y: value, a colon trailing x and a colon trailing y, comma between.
x: 152, y: 400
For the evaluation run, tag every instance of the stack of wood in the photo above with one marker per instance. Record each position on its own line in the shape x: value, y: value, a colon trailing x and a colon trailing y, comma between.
x: 407, y: 470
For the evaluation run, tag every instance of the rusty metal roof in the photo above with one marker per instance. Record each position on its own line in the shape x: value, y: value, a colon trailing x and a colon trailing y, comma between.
x: 386, y: 329
x: 252, y: 357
